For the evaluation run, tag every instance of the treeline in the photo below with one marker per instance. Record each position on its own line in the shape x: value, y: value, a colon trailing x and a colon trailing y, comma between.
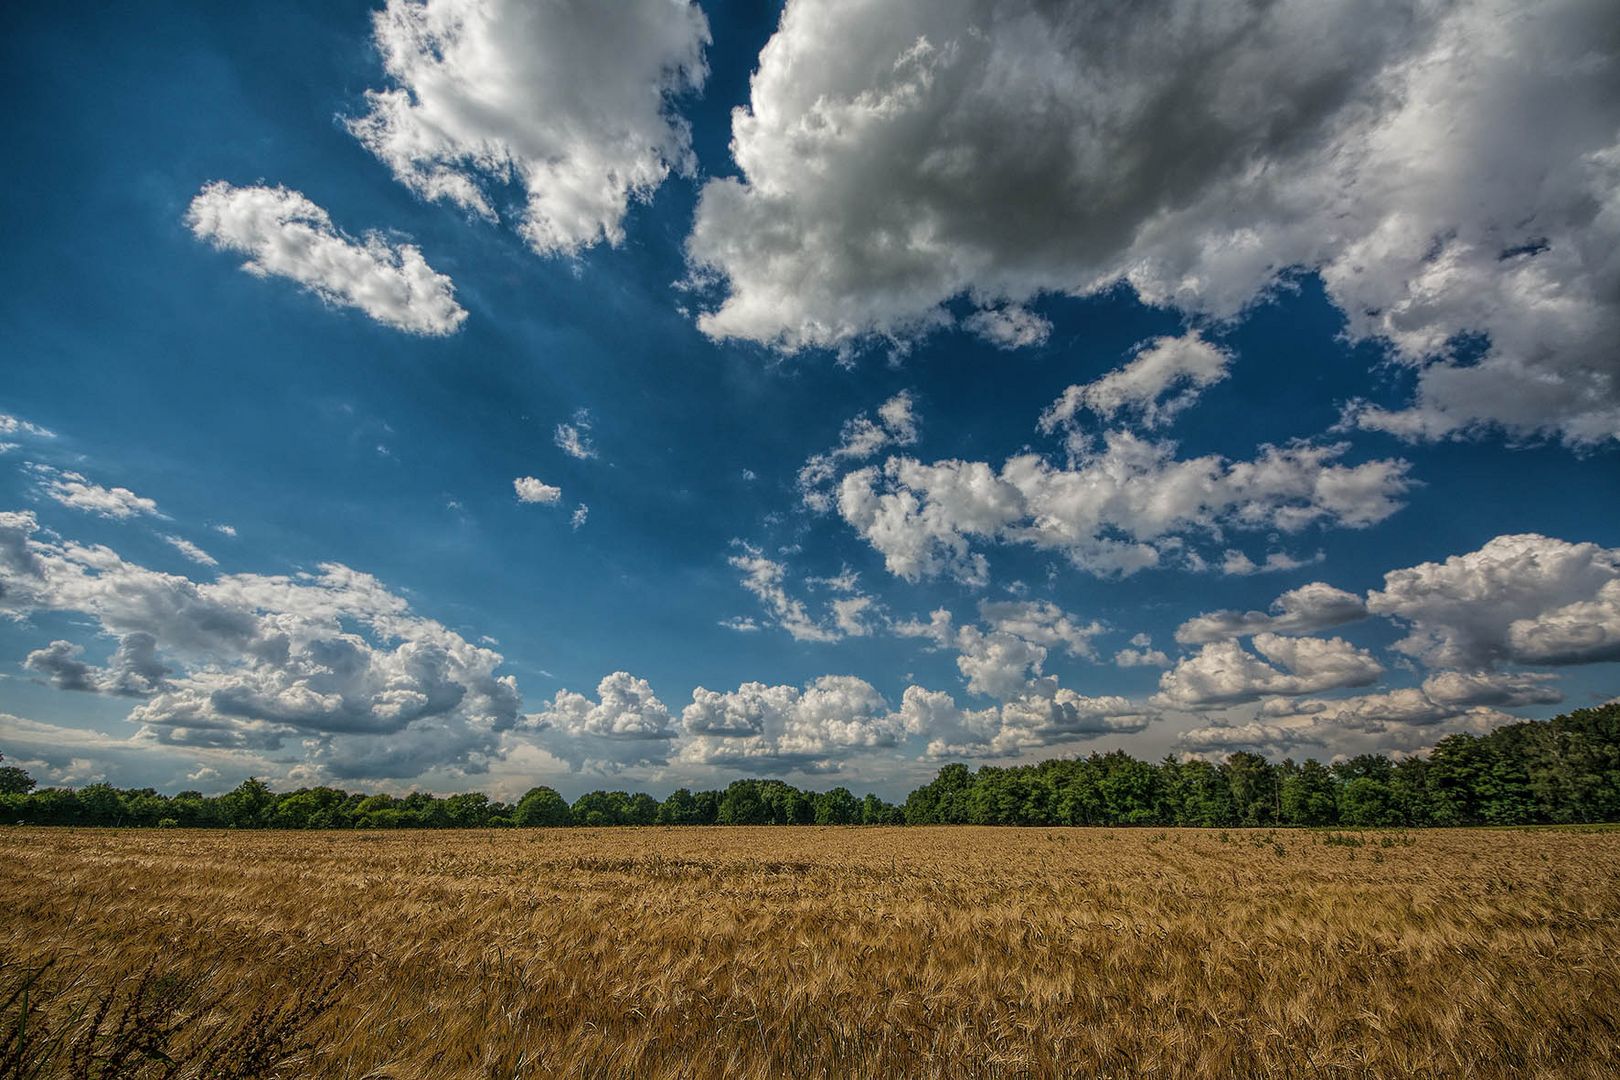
x: 1558, y: 771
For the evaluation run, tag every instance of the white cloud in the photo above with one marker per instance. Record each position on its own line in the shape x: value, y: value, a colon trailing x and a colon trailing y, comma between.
x: 1447, y: 168
x: 1522, y: 598
x: 11, y: 425
x: 998, y: 665
x: 331, y: 662
x: 286, y: 235
x: 72, y: 757
x: 226, y: 530
x: 626, y: 725
x: 1043, y: 715
x: 1187, y: 365
x: 1141, y: 655
x: 742, y: 624
x: 1010, y: 327
x: 570, y: 101
x: 784, y: 729
x: 1463, y: 689
x: 1312, y: 607
x: 851, y: 615
x: 575, y: 439
x: 939, y: 628
x: 191, y: 551
x: 1404, y: 721
x: 1113, y: 510
x: 861, y: 437
x: 73, y: 489
x: 1043, y: 622
x: 530, y: 490
x: 581, y: 515
x: 1236, y: 564
x: 766, y: 579
x: 1224, y: 673
x: 1003, y: 657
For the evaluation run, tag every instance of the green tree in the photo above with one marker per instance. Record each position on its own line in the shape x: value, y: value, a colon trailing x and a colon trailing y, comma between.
x: 542, y: 806
x: 874, y: 811
x: 742, y: 805
x: 14, y: 781
x: 642, y: 809
x: 99, y: 804
x: 1308, y: 795
x: 1365, y: 801
x: 248, y: 805
x: 1253, y: 783
x: 467, y: 810
x: 837, y: 807
x: 679, y: 809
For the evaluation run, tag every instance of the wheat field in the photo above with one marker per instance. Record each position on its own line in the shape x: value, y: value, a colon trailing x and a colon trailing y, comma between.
x: 847, y: 952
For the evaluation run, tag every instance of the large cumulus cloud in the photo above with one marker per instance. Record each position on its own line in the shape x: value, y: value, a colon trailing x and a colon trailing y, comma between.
x: 330, y: 661
x: 625, y: 725
x: 1448, y: 168
x: 760, y: 728
x: 1521, y: 598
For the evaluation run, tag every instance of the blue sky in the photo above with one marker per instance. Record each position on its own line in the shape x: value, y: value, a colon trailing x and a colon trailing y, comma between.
x: 1362, y: 391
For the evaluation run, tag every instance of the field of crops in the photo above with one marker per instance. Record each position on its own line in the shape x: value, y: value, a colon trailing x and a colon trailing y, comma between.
x: 825, y: 952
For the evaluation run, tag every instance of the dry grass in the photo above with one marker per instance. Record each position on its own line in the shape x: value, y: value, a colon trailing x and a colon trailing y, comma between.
x: 864, y: 952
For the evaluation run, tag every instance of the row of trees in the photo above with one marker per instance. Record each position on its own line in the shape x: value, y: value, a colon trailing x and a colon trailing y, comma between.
x: 254, y: 805
x: 1562, y: 770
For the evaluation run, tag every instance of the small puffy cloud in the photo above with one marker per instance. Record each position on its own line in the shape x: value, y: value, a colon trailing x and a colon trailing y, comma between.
x: 1305, y: 610
x: 1522, y: 598
x: 191, y: 551
x: 896, y: 425
x: 1113, y: 509
x: 939, y: 628
x: 226, y: 530
x: 1009, y: 327
x: 284, y: 234
x: 742, y: 624
x: 582, y: 514
x: 1224, y: 673
x: 760, y: 728
x: 626, y: 725
x: 570, y: 102
x: 1141, y: 653
x: 1236, y: 564
x: 73, y: 489
x: 530, y: 490
x: 1164, y: 377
